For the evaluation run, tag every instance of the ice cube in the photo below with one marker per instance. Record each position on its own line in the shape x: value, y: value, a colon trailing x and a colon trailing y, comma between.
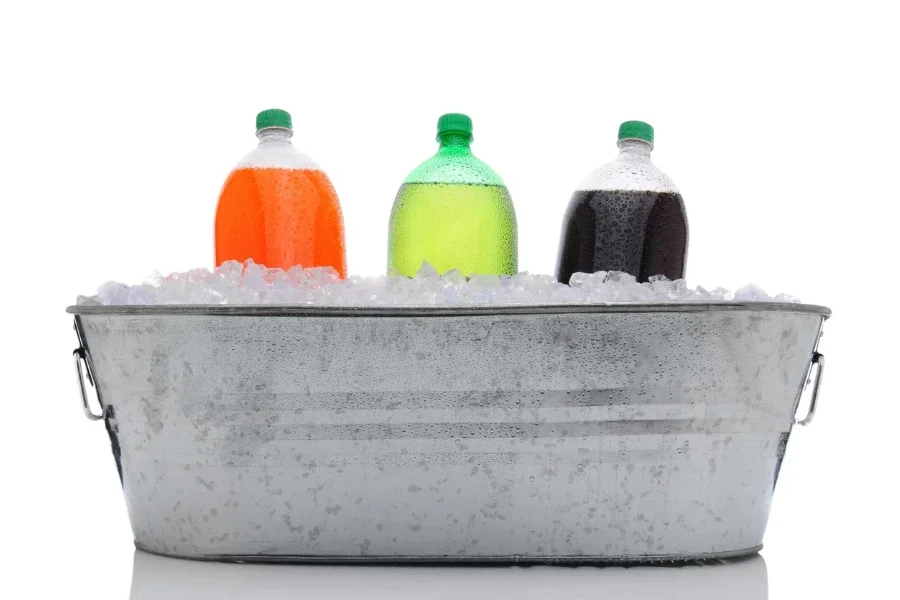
x: 297, y: 275
x: 751, y: 293
x: 588, y: 281
x: 253, y: 280
x: 230, y: 270
x: 455, y: 277
x: 619, y: 277
x: 669, y: 291
x: 280, y: 291
x: 321, y: 276
x: 142, y: 295
x: 197, y: 275
x: 426, y: 271
x: 198, y: 293
x: 721, y: 293
x: 563, y: 294
x: 787, y: 298
x: 251, y: 283
x: 273, y: 276
x: 578, y: 280
x: 154, y: 279
x: 172, y: 294
x: 113, y: 293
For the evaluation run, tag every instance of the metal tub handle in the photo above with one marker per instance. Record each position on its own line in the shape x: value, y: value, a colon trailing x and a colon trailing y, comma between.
x: 79, y: 356
x: 818, y: 360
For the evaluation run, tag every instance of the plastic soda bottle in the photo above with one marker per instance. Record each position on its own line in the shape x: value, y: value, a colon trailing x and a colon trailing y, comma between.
x: 453, y: 211
x: 626, y: 216
x: 277, y: 207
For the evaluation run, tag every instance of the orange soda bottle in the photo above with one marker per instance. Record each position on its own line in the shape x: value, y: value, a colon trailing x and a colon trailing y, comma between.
x: 277, y: 207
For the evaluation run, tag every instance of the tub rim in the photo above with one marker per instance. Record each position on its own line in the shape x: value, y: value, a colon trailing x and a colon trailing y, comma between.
x: 301, y: 310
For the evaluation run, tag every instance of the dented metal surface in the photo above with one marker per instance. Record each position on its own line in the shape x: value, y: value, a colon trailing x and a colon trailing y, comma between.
x: 544, y: 435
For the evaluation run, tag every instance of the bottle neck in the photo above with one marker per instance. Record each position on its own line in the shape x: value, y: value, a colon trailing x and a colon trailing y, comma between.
x: 274, y: 135
x: 454, y: 144
x: 635, y: 150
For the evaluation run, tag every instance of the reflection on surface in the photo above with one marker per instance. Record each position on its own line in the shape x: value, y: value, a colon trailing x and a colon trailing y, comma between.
x: 158, y: 578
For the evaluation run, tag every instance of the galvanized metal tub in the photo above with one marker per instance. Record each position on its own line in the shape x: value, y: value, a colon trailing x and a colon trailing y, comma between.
x: 525, y: 434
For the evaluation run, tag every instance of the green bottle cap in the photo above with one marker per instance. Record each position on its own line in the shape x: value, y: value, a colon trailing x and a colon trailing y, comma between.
x: 273, y: 117
x: 636, y: 130
x: 454, y: 123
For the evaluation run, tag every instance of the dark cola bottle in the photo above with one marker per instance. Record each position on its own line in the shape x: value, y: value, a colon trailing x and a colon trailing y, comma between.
x: 626, y: 216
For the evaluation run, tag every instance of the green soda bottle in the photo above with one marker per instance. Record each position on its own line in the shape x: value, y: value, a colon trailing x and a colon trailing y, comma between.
x: 453, y: 211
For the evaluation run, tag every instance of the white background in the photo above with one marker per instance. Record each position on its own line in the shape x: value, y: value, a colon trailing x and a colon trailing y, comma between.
x: 778, y: 122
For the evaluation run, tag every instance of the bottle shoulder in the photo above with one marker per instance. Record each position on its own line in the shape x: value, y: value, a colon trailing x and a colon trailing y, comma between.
x: 463, y: 169
x: 278, y: 156
x: 624, y: 174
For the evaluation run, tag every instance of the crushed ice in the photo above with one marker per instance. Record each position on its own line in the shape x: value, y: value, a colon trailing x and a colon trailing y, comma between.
x: 250, y: 283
